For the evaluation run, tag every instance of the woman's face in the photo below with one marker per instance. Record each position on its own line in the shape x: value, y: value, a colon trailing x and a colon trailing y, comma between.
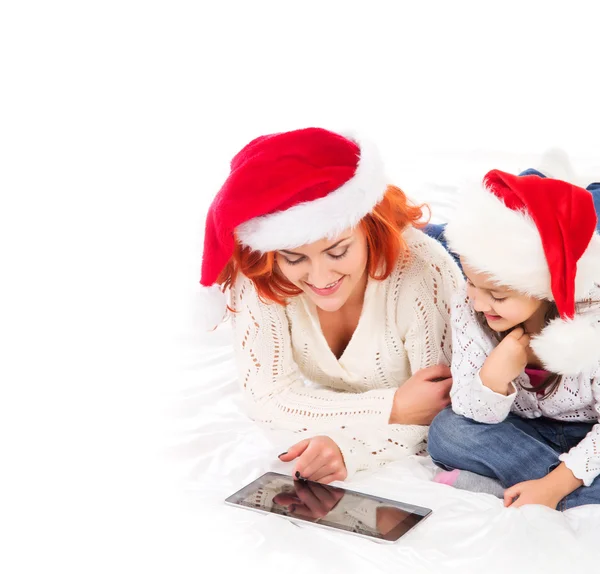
x: 329, y: 271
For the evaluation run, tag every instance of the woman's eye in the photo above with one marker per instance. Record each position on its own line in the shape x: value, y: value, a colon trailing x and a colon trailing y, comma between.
x: 498, y: 299
x: 294, y: 261
x: 338, y: 255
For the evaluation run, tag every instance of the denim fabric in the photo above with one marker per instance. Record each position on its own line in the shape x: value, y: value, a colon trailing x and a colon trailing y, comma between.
x: 532, y: 171
x: 511, y: 451
x: 436, y: 230
x: 594, y: 189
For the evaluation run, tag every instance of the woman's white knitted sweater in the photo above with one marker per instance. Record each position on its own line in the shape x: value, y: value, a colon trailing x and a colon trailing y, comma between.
x: 291, y: 379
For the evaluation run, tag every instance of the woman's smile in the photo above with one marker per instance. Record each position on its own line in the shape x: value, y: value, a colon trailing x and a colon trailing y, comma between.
x: 328, y: 289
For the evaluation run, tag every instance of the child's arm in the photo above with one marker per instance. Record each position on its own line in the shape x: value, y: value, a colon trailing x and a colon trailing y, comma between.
x: 549, y: 490
x: 482, y: 387
x: 579, y: 467
x: 583, y: 460
x: 505, y: 363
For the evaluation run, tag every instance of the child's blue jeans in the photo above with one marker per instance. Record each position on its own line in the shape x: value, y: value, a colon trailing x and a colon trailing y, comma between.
x: 512, y: 451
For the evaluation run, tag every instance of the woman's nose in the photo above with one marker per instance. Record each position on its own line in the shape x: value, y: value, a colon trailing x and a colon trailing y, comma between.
x: 320, y: 276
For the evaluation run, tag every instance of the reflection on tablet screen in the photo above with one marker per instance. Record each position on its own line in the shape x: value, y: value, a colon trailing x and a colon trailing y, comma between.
x: 331, y: 506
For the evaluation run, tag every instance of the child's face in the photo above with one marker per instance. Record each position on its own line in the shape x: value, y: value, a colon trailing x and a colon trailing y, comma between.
x: 502, y: 307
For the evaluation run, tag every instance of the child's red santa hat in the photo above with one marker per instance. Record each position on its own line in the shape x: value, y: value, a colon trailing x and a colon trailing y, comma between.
x: 538, y: 236
x: 286, y: 190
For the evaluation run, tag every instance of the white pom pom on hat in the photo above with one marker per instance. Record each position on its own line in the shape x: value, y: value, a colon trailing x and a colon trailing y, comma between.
x: 538, y: 236
x: 212, y: 307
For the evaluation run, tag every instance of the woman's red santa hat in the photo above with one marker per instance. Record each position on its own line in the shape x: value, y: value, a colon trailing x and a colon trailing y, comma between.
x: 286, y: 190
x: 538, y: 236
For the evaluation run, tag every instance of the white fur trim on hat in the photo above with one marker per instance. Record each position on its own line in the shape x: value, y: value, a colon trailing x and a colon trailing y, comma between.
x: 325, y: 217
x: 211, y: 307
x: 570, y: 347
x: 506, y: 244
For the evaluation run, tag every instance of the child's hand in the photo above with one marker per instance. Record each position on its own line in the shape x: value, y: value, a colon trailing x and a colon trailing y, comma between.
x: 540, y: 491
x: 549, y: 490
x: 319, y: 459
x: 506, y: 362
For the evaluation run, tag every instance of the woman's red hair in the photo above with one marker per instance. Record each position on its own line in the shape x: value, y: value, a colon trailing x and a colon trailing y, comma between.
x: 382, y: 227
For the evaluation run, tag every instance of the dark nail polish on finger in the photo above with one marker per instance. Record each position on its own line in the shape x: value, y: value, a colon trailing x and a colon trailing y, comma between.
x: 280, y: 455
x: 298, y: 474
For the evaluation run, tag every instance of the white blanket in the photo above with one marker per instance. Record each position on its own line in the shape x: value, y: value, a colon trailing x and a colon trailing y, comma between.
x: 217, y: 449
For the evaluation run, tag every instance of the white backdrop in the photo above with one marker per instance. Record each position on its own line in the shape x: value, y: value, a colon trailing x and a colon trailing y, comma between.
x: 117, y: 122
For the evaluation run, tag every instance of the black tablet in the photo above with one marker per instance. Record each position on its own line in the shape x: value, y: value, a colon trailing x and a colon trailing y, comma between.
x: 304, y: 501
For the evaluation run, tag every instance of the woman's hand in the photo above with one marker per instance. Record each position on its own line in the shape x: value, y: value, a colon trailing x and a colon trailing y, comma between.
x: 506, y: 362
x: 422, y: 396
x: 310, y: 500
x: 319, y: 459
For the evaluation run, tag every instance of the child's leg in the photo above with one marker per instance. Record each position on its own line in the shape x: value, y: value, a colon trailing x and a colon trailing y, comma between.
x: 436, y: 231
x: 532, y: 171
x: 511, y: 451
x: 583, y: 495
x: 594, y: 189
x: 471, y: 481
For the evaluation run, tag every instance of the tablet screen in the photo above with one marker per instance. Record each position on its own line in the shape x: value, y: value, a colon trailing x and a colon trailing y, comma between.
x: 331, y: 506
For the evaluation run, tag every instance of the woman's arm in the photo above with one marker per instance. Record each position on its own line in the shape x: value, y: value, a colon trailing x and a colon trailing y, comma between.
x: 361, y: 447
x: 276, y: 394
x: 273, y: 386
